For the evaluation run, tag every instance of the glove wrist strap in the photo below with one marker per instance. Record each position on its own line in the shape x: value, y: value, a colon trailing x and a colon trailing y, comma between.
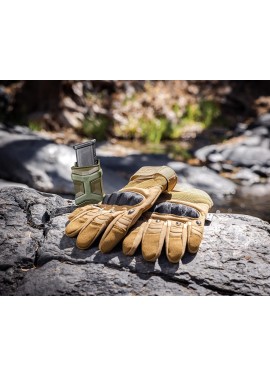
x: 150, y: 172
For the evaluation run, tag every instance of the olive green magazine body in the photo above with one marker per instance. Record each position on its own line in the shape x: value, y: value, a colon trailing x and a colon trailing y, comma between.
x: 88, y: 185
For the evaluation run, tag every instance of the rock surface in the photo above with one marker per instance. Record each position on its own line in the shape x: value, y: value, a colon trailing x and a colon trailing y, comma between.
x: 36, y: 258
x: 35, y: 161
x: 203, y: 178
x: 250, y: 149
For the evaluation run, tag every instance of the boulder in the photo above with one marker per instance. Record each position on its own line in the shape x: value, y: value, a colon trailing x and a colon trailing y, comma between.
x: 4, y: 183
x: 204, y: 178
x: 35, y: 161
x: 250, y: 149
x: 257, y: 131
x: 206, y: 151
x: 36, y: 258
x: 264, y: 120
x: 246, y: 176
x: 243, y: 155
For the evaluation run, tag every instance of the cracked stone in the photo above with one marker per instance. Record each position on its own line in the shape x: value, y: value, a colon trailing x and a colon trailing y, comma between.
x: 36, y: 258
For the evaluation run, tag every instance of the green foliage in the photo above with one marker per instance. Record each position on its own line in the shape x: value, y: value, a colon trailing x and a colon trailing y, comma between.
x: 96, y: 127
x: 176, y: 108
x: 35, y: 126
x: 205, y: 112
x: 153, y: 130
x: 193, y: 113
x: 156, y: 129
x: 174, y: 131
x: 210, y: 112
x: 130, y: 130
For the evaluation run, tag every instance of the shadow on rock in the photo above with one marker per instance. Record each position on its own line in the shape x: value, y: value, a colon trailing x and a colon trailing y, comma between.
x: 166, y: 266
x: 66, y: 242
x: 79, y: 254
x: 188, y: 257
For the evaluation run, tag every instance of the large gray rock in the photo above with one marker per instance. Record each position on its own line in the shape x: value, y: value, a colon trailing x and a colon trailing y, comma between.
x: 203, y: 178
x: 243, y: 155
x: 56, y: 278
x: 239, y: 154
x: 33, y: 160
x: 264, y: 120
x: 4, y: 183
x: 36, y: 258
x: 250, y: 149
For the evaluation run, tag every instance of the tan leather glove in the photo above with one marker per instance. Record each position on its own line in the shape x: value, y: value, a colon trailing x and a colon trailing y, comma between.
x: 176, y: 219
x: 120, y: 210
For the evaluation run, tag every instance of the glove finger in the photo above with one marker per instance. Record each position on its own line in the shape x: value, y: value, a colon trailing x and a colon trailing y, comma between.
x: 153, y: 239
x: 93, y: 228
x: 133, y: 239
x: 78, y: 222
x: 195, y: 235
x: 79, y: 211
x: 115, y: 232
x: 176, y: 240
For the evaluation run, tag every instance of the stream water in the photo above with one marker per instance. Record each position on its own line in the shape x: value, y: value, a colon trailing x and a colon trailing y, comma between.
x: 251, y: 205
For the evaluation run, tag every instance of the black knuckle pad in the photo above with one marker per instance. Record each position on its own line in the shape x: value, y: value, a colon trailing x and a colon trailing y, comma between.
x: 175, y: 209
x: 123, y: 198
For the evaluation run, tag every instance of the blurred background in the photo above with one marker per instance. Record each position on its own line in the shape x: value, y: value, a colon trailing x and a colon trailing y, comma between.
x: 214, y: 134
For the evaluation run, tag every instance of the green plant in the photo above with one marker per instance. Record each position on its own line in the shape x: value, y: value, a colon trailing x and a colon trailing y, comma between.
x: 176, y: 108
x: 96, y: 127
x: 130, y: 130
x: 34, y: 126
x: 153, y: 130
x: 204, y: 112
x: 193, y: 113
x: 209, y: 112
x: 174, y: 131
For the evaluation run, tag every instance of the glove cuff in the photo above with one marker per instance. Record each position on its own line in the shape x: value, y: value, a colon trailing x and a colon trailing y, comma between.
x: 151, y: 172
x: 185, y: 193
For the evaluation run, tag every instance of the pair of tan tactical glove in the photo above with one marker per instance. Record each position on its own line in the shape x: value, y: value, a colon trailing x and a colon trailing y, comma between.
x: 151, y: 210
